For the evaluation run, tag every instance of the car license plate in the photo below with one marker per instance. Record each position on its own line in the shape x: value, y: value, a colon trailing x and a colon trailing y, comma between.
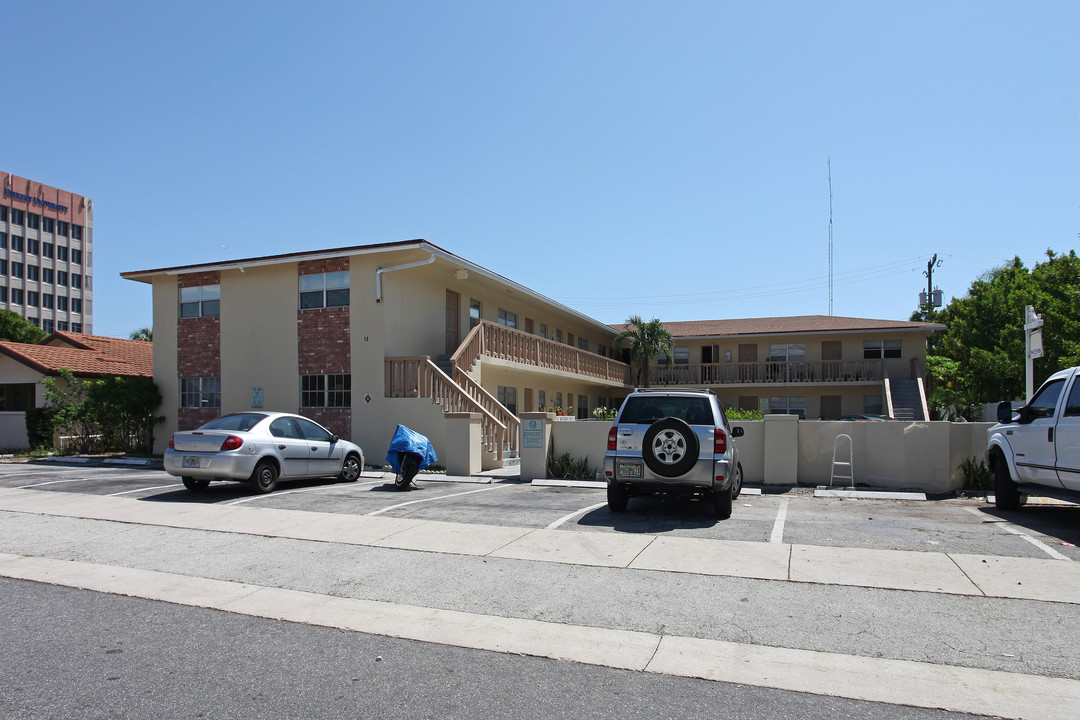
x: 629, y: 470
x: 191, y: 461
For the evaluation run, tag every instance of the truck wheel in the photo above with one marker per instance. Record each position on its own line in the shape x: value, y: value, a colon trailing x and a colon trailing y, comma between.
x: 670, y: 447
x: 1006, y: 496
x: 617, y: 497
x: 736, y: 482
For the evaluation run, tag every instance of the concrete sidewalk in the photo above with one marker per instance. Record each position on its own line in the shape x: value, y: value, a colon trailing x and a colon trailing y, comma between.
x: 74, y: 540
x: 956, y: 574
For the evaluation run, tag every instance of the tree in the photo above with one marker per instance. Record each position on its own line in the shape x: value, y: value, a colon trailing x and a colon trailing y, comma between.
x: 980, y: 357
x: 15, y: 328
x: 143, y: 333
x: 647, y: 341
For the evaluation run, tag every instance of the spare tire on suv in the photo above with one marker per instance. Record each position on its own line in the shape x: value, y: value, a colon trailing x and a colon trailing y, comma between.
x: 675, y: 442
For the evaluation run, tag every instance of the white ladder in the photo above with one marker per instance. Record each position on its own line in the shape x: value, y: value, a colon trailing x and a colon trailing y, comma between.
x: 850, y: 464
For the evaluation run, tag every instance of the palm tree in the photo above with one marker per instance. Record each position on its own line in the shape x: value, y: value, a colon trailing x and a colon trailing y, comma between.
x: 144, y: 333
x: 648, y: 341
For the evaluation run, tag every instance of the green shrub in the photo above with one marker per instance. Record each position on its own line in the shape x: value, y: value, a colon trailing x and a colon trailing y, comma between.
x: 567, y: 468
x: 977, y: 475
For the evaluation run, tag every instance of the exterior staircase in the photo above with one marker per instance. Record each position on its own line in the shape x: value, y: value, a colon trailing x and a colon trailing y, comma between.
x: 906, y: 401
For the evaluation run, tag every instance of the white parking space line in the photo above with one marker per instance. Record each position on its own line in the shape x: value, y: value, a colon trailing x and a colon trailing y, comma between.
x: 574, y: 514
x: 778, y: 525
x: 279, y: 493
x: 51, y: 482
x: 441, y: 497
x: 1015, y: 531
x: 145, y: 489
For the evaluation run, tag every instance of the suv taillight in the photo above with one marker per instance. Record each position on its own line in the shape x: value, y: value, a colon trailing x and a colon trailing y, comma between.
x: 719, y: 442
x: 232, y: 443
x: 611, y: 434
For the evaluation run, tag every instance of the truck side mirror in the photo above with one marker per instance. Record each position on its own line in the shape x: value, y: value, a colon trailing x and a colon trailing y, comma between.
x: 1005, y: 412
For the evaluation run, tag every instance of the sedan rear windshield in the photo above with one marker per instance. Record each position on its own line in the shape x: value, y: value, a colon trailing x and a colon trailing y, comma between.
x: 241, y: 422
x: 645, y: 410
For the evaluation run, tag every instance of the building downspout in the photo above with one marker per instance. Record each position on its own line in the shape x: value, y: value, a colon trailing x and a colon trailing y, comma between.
x: 406, y: 266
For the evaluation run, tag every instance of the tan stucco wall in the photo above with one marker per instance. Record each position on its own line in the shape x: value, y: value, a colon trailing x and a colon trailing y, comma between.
x: 166, y: 299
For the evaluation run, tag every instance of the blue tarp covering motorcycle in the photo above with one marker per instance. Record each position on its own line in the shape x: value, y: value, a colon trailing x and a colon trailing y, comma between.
x: 409, y: 453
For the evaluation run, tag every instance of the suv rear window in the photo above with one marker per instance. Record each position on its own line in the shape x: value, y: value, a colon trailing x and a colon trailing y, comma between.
x: 645, y: 410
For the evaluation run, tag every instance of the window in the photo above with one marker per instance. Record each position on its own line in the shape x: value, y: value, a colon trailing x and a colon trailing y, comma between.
x: 48, y: 325
x: 3, y: 213
x: 601, y: 350
x: 16, y: 270
x: 48, y: 224
x: 789, y: 406
x: 558, y: 399
x: 32, y: 272
x: 32, y: 299
x: 76, y: 256
x: 312, y: 430
x: 787, y: 352
x: 32, y: 320
x: 62, y: 278
x: 76, y: 232
x: 199, y: 392
x: 324, y: 290
x: 873, y: 349
x: 33, y: 221
x: 47, y: 275
x: 47, y: 301
x: 681, y: 356
x: 542, y: 396
x: 76, y: 281
x: 1072, y: 406
x: 76, y: 305
x: 558, y: 335
x: 47, y: 250
x: 16, y: 243
x: 583, y: 407
x: 3, y: 240
x: 62, y: 303
x: 1046, y: 400
x: 195, y: 301
x: 543, y: 330
x: 33, y: 247
x: 76, y: 327
x: 61, y: 228
x: 62, y: 252
x: 3, y: 294
x: 326, y: 390
x: 474, y: 312
x: 583, y: 344
x: 16, y: 397
x: 3, y: 267
x: 508, y: 398
x: 507, y: 318
x: 61, y: 326
x: 18, y: 217
x: 16, y: 296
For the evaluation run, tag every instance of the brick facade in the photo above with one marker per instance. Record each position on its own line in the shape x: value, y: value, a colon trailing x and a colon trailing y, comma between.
x: 324, y: 346
x: 198, y: 351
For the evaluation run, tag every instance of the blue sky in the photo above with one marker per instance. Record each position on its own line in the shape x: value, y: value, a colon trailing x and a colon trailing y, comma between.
x: 662, y: 159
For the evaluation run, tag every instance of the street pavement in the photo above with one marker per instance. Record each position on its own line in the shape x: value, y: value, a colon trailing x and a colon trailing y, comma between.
x: 966, y: 633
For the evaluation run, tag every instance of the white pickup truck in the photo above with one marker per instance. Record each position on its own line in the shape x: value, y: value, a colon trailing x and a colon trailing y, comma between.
x: 1036, y: 449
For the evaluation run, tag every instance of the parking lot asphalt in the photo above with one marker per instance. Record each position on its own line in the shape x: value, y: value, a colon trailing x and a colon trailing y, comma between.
x: 921, y: 601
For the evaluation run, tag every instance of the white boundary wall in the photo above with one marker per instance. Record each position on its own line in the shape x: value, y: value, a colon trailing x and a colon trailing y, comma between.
x: 898, y: 455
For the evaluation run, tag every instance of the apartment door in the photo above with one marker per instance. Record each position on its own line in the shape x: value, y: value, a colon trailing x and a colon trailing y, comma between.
x: 830, y: 407
x: 748, y: 354
x: 529, y: 407
x: 832, y: 352
x: 453, y: 321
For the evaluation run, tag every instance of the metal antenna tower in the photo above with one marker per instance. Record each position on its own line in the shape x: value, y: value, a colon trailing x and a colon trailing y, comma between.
x: 830, y: 238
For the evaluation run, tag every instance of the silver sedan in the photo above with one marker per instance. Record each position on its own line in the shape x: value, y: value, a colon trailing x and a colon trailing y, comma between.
x: 260, y: 448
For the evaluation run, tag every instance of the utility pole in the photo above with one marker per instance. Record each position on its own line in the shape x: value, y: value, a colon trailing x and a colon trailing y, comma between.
x: 932, y: 297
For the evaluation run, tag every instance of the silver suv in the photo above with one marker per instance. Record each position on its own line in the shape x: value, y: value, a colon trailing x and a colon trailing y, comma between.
x: 672, y: 441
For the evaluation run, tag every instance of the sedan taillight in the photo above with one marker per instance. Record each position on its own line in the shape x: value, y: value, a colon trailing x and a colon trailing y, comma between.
x: 171, y: 446
x: 719, y: 442
x: 232, y: 443
x: 611, y: 434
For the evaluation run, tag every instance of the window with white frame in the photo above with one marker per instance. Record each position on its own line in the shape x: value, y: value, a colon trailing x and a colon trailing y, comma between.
x: 788, y: 406
x: 333, y: 390
x: 874, y: 349
x: 195, y: 301
x: 681, y: 355
x: 508, y: 398
x: 324, y: 290
x: 200, y: 392
x: 787, y: 352
x: 475, y: 310
x: 507, y: 318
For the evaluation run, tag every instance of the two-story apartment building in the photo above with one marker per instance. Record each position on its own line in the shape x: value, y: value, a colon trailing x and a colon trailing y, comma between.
x: 363, y: 338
